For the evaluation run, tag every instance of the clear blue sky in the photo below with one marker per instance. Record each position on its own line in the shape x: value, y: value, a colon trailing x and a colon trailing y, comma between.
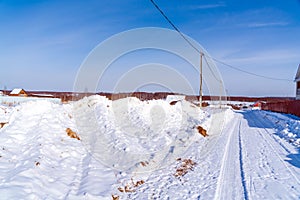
x: 43, y: 43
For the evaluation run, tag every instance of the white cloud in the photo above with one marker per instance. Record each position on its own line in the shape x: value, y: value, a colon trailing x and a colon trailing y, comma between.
x: 209, y: 6
x: 264, y: 57
x: 266, y: 24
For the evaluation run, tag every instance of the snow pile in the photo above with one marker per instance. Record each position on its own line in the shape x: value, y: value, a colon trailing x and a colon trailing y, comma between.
x: 37, y: 159
x: 287, y: 127
x: 5, y: 112
x: 118, y: 139
x: 125, y: 132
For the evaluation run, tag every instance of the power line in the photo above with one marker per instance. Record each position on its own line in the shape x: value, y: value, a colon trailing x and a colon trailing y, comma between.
x: 173, y: 25
x: 183, y: 36
x: 250, y: 73
x: 221, y: 62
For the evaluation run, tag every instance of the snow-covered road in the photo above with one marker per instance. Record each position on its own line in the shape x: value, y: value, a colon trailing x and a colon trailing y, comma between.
x: 248, y: 160
x: 248, y: 154
x: 255, y: 161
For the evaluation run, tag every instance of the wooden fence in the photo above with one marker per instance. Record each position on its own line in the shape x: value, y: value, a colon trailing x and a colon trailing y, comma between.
x: 289, y: 107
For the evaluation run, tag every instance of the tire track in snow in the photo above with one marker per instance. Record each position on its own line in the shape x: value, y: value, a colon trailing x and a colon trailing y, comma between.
x: 268, y: 141
x: 268, y: 174
x: 221, y: 178
x: 246, y: 197
x: 230, y: 167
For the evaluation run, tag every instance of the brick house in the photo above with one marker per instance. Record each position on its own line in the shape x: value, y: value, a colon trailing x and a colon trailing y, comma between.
x: 18, y: 92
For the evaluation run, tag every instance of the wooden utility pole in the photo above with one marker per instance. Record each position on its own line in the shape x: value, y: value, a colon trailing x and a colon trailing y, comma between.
x: 220, y: 97
x: 201, y: 80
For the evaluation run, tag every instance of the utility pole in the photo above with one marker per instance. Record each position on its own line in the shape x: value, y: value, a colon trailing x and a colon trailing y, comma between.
x: 220, y: 97
x: 201, y: 80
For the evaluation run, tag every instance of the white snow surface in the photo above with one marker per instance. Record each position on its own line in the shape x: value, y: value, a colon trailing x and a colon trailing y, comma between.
x: 247, y: 155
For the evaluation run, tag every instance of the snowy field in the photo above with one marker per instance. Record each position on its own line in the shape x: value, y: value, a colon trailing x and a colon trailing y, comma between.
x: 131, y: 149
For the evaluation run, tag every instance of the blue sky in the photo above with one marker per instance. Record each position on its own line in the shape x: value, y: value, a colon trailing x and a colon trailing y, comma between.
x: 43, y: 43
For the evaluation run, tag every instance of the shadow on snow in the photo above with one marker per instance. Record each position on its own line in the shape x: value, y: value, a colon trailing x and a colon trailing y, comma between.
x: 256, y: 120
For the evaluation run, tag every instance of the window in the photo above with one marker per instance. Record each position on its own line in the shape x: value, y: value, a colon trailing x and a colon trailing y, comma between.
x: 298, y: 85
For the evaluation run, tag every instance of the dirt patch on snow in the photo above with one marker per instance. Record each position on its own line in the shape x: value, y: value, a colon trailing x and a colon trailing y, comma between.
x: 202, y: 131
x: 131, y: 187
x: 115, y: 197
x: 2, y: 124
x: 72, y: 134
x: 184, y: 167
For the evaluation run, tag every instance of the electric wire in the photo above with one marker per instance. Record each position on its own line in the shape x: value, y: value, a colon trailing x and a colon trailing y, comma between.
x: 173, y: 25
x: 221, y: 62
x: 250, y: 73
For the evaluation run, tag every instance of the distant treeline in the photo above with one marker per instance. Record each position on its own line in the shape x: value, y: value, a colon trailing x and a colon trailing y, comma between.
x: 277, y: 104
x: 69, y: 96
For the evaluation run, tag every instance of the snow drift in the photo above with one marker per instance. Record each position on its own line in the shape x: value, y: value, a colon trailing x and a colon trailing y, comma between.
x: 39, y: 160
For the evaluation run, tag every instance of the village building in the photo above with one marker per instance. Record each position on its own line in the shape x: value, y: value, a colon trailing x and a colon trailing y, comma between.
x: 297, y: 80
x: 18, y: 92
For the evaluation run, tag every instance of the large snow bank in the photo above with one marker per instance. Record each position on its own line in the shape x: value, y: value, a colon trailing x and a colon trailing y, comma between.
x: 39, y: 161
x: 125, y: 132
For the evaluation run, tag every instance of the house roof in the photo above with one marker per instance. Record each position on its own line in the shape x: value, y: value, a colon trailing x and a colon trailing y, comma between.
x: 16, y: 91
x: 297, y: 77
